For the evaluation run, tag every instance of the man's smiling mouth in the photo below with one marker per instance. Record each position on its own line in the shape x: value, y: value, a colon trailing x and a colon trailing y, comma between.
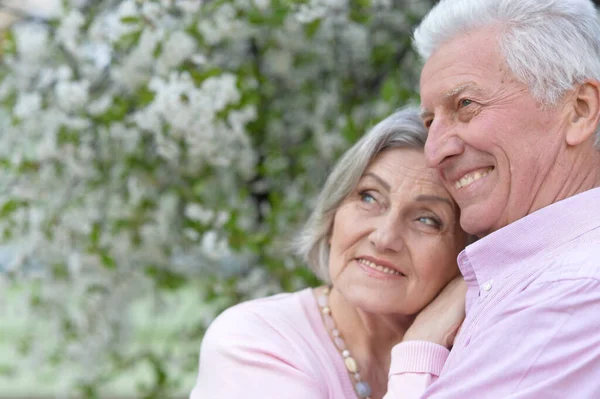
x: 472, y: 177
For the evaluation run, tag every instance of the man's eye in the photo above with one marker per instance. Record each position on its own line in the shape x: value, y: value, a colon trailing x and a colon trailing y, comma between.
x: 428, y: 123
x: 465, y: 102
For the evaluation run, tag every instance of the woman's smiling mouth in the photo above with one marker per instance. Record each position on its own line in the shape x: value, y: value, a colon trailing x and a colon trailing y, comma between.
x: 377, y: 267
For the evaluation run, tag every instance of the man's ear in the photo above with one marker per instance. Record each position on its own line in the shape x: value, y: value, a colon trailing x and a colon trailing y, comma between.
x: 585, y: 112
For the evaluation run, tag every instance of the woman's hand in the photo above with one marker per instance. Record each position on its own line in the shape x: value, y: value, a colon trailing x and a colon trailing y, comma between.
x: 440, y: 321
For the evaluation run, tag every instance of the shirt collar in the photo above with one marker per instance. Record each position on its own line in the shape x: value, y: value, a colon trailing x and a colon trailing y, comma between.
x: 539, y: 232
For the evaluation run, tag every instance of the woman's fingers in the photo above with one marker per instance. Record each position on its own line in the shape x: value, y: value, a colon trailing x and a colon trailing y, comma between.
x: 441, y: 320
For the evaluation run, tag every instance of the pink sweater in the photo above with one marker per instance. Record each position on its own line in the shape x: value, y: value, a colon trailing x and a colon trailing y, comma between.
x: 275, y: 347
x: 278, y: 347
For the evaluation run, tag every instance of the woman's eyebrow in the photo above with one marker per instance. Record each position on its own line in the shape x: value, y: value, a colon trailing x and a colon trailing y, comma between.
x: 379, y: 180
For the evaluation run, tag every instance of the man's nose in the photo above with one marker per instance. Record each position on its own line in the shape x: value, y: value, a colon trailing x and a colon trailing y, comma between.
x: 442, y: 142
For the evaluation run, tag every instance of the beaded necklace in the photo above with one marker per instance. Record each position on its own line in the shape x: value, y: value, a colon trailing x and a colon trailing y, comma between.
x: 362, y: 388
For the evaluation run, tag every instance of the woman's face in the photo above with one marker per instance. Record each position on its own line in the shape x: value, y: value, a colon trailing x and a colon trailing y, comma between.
x: 395, y: 238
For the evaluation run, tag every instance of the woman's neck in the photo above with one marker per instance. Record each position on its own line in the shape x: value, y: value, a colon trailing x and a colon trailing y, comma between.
x: 369, y: 337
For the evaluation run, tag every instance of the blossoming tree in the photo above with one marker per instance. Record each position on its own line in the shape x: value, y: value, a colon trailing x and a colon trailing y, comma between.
x: 153, y: 145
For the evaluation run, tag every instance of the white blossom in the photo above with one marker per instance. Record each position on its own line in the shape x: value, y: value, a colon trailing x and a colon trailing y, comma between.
x: 318, y: 9
x: 189, y: 6
x: 32, y: 42
x: 262, y: 4
x: 100, y: 105
x: 137, y: 67
x: 176, y: 49
x: 198, y: 213
x: 68, y: 31
x: 28, y: 104
x: 71, y: 95
x: 223, y: 25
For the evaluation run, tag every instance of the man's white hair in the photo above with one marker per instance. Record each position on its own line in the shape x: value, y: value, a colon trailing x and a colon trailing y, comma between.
x: 549, y: 45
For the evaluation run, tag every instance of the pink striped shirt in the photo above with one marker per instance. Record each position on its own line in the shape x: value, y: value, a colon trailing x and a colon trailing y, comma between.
x: 533, y: 314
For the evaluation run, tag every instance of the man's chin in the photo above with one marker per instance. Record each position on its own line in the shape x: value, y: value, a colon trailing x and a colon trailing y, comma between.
x: 473, y: 223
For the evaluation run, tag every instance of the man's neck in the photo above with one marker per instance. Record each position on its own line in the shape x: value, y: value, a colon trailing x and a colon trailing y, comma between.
x: 576, y: 172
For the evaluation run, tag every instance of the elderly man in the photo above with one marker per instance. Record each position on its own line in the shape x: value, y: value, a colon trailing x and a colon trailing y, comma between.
x: 511, y: 95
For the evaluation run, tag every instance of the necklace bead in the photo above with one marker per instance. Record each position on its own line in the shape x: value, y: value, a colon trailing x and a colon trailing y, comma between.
x: 341, y: 345
x: 362, y: 388
x: 351, y: 364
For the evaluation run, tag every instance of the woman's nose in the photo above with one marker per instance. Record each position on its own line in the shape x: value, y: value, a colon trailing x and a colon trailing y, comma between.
x: 387, y: 235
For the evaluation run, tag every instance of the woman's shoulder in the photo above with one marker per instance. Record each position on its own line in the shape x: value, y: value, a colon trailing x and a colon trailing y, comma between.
x: 280, y: 314
x: 282, y: 328
x: 267, y: 346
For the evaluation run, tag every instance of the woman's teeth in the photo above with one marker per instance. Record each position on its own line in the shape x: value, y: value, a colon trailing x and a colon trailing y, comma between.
x: 379, y: 267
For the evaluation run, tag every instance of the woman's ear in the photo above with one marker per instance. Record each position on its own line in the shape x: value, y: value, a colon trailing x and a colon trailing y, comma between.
x: 585, y: 114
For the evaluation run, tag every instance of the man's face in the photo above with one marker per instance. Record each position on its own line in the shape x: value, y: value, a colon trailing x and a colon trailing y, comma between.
x: 492, y: 144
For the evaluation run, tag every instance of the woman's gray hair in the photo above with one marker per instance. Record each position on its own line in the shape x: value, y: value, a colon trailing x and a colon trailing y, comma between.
x: 549, y: 45
x: 403, y: 129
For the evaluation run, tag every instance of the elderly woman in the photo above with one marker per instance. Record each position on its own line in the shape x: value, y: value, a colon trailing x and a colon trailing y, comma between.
x: 384, y: 235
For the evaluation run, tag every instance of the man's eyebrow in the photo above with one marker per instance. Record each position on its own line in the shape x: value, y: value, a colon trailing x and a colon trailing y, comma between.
x: 379, y: 180
x: 453, y: 92
x: 434, y: 198
x: 425, y: 113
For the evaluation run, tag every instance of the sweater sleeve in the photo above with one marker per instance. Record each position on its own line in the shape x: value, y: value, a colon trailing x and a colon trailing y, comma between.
x: 415, y: 365
x: 243, y: 356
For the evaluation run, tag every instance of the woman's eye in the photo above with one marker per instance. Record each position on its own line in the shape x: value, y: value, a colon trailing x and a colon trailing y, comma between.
x: 429, y: 221
x: 366, y: 197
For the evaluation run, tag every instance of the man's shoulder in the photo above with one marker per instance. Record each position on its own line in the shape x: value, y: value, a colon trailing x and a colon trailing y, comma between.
x: 580, y: 260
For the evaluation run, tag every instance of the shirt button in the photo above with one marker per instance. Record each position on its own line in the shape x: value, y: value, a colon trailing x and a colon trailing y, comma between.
x: 487, y: 286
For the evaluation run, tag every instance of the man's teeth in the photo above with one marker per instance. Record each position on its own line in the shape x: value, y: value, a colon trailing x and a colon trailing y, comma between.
x: 472, y: 177
x: 379, y: 267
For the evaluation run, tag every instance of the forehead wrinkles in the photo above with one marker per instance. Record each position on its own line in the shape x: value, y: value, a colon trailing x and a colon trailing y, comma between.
x: 404, y: 176
x: 464, y: 59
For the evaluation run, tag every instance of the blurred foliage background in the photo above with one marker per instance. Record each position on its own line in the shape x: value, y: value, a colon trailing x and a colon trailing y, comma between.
x: 157, y: 158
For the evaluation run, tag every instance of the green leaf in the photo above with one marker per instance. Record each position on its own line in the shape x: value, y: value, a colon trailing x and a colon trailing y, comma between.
x: 144, y: 96
x: 128, y: 40
x: 312, y: 28
x: 66, y: 136
x: 95, y: 234
x: 107, y: 260
x: 389, y: 89
x: 166, y: 279
x: 131, y: 20
x: 9, y: 46
x: 60, y: 271
x: 11, y: 206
